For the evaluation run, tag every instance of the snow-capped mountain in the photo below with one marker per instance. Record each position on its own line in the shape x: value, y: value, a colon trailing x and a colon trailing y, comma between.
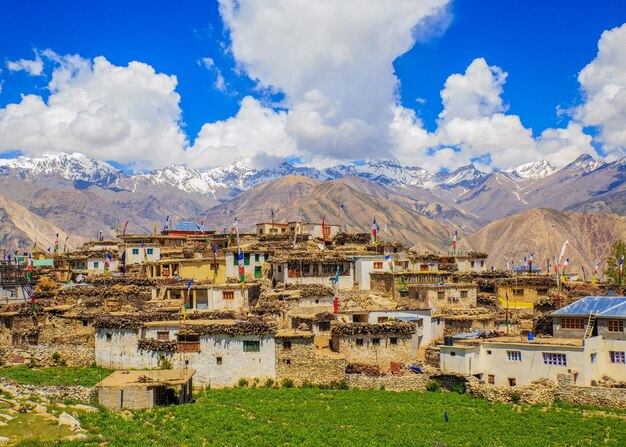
x: 74, y: 166
x: 533, y: 170
x: 238, y: 177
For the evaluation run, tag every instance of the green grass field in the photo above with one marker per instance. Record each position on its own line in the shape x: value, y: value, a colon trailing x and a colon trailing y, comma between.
x: 88, y: 376
x: 314, y: 417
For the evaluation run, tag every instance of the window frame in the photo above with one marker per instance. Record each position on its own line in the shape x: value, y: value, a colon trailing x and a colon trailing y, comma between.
x: 615, y: 326
x: 573, y: 324
x: 554, y: 359
x: 617, y: 357
x: 514, y: 356
x: 251, y: 346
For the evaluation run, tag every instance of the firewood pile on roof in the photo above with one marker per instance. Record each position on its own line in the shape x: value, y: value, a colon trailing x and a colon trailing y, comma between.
x: 234, y: 329
x: 352, y: 238
x: 393, y: 327
x: 318, y: 256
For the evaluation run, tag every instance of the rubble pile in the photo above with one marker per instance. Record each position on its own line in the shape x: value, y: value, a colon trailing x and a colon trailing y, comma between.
x: 365, y: 369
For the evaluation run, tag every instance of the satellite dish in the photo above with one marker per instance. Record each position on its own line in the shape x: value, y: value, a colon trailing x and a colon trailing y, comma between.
x: 80, y: 278
x: 320, y: 246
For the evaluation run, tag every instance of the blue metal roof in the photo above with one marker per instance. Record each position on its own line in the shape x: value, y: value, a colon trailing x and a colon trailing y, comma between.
x: 599, y: 305
x: 189, y: 226
x: 521, y: 268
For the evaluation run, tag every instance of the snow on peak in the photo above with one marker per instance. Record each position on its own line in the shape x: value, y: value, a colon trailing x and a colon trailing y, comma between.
x: 584, y: 164
x: 533, y: 170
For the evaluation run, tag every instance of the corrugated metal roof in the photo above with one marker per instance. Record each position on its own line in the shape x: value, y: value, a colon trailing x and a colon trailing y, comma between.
x: 616, y: 311
x: 189, y: 226
x: 598, y: 305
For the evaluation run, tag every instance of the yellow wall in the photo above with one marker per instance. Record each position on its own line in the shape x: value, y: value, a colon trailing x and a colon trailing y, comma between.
x: 521, y: 302
x: 202, y: 271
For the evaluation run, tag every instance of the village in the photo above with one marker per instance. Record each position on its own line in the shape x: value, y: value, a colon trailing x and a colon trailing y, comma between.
x: 305, y: 304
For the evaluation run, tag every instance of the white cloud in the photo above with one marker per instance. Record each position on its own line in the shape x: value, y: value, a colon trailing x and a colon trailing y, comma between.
x: 128, y: 114
x: 256, y: 135
x: 219, y: 83
x: 334, y: 63
x: 33, y: 67
x: 603, y: 83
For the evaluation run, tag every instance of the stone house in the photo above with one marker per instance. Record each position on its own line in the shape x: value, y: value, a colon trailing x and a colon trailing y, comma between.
x: 313, y: 229
x: 438, y: 296
x: 364, y: 265
x: 221, y: 351
x: 299, y: 359
x: 397, y: 283
x: 379, y: 344
x: 264, y: 228
x: 525, y: 292
x: 589, y: 343
x: 253, y: 264
x: 137, y: 390
x: 312, y: 268
x: 211, y: 296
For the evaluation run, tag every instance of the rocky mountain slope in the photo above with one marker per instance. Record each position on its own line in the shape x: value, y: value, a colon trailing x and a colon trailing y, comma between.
x: 543, y: 232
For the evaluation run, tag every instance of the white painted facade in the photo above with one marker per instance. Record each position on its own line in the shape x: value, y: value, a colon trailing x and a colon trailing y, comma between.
x: 135, y: 255
x: 96, y: 265
x: 221, y: 361
x: 365, y: 265
x: 253, y: 267
x: 280, y: 274
x: 523, y: 362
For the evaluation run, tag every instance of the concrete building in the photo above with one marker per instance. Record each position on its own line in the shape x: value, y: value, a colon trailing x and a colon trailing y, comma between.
x: 438, y: 296
x: 314, y: 229
x: 524, y: 292
x: 210, y: 297
x: 136, y: 390
x: 138, y: 253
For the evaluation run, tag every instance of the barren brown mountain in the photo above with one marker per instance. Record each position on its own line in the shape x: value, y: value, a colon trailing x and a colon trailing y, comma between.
x: 294, y: 197
x: 543, y: 231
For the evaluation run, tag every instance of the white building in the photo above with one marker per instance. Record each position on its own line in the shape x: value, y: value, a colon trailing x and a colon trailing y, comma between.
x: 253, y: 264
x: 364, y: 265
x: 574, y: 350
x: 308, y: 268
x: 220, y: 360
x: 136, y: 254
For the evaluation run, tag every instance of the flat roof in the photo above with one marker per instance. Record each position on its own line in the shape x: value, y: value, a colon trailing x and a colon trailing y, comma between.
x: 548, y: 341
x: 160, y: 377
x: 186, y: 322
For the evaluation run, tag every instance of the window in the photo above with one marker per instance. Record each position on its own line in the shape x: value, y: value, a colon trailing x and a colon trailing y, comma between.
x: 514, y: 356
x: 260, y: 231
x: 542, y: 292
x: 258, y: 272
x: 512, y: 381
x: 393, y: 341
x: 228, y: 295
x: 85, y: 322
x: 573, y: 323
x: 109, y: 337
x: 376, y: 341
x: 359, y: 342
x: 488, y: 352
x: 150, y: 251
x: 593, y: 357
x: 452, y: 354
x: 617, y: 357
x: 491, y: 379
x: 482, y: 263
x: 615, y: 325
x: 257, y: 257
x: 554, y: 359
x: 95, y: 264
x: 464, y: 294
x: 280, y: 268
x: 518, y: 292
x: 287, y: 344
x: 287, y: 361
x: 378, y: 265
x: 218, y: 360
x: 135, y: 251
x: 163, y: 335
x: 246, y: 259
x: 324, y: 326
x: 251, y: 346
x: 441, y: 295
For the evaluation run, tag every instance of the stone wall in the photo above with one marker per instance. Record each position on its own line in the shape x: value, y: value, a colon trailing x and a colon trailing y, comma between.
x: 413, y: 382
x: 297, y: 359
x: 74, y: 355
x: 541, y: 391
x: 132, y: 397
x: 381, y: 354
x: 589, y: 395
x: 79, y: 393
x: 431, y: 356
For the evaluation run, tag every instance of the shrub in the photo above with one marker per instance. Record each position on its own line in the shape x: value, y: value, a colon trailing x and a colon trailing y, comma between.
x: 255, y: 382
x: 458, y: 388
x: 62, y: 362
x: 307, y: 384
x: 165, y: 363
x: 433, y: 386
x: 243, y: 382
x: 33, y: 363
x: 516, y: 398
x: 341, y: 385
x: 56, y: 356
x: 287, y: 383
x: 269, y: 383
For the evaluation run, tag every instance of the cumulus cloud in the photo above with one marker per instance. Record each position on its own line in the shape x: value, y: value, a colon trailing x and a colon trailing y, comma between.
x: 129, y: 114
x: 334, y: 63
x: 33, y: 67
x: 256, y: 135
x: 603, y: 84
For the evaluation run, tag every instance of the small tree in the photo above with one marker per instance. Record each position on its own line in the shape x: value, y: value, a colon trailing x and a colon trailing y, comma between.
x: 618, y: 249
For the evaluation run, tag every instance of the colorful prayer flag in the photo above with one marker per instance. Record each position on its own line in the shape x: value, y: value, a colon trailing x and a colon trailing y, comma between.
x: 242, y: 268
x: 186, y: 303
x: 389, y: 262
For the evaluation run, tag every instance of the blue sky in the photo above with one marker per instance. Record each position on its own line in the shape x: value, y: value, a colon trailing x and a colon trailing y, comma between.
x: 541, y: 45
